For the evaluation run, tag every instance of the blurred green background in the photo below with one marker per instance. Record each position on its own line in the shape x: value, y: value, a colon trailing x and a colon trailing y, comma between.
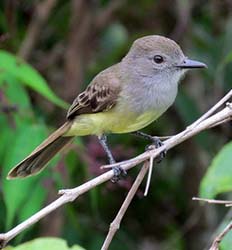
x: 49, y: 51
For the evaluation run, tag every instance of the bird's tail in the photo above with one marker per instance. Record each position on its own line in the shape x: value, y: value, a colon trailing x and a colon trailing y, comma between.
x: 38, y: 159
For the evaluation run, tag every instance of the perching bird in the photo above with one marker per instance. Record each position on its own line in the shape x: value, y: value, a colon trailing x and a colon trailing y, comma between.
x: 125, y: 97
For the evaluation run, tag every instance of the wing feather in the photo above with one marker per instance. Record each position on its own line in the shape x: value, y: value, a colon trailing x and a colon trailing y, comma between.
x: 100, y: 96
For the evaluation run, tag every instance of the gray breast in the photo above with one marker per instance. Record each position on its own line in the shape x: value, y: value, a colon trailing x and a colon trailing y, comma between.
x: 148, y: 96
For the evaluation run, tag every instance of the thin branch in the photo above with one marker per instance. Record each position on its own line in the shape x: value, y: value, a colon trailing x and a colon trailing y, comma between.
x: 177, y: 139
x: 212, y: 201
x: 213, y: 109
x: 67, y: 196
x: 71, y: 194
x: 219, y: 123
x: 218, y: 239
x: 149, y: 176
x: 220, y: 236
x: 115, y: 225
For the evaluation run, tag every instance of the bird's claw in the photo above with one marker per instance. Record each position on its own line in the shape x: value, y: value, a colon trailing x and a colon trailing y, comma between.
x: 156, y: 143
x: 118, y: 174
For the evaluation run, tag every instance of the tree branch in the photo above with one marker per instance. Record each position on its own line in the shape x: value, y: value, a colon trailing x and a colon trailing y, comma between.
x: 212, y: 201
x: 69, y: 195
x: 218, y: 239
x: 115, y: 225
x: 221, y: 235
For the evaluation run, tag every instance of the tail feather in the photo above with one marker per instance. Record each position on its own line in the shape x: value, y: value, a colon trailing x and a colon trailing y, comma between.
x: 38, y: 159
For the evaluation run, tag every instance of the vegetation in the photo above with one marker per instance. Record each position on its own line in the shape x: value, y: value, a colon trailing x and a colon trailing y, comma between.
x: 54, y: 48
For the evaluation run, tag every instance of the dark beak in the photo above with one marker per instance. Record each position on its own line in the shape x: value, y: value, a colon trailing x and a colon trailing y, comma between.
x: 191, y: 64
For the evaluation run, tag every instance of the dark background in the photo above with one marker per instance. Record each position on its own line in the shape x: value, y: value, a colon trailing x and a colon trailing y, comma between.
x: 69, y: 42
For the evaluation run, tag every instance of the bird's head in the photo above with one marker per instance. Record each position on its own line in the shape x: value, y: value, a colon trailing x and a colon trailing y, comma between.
x: 159, y: 57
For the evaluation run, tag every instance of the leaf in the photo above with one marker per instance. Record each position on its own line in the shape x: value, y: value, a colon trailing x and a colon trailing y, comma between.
x: 17, y: 97
x: 27, y: 75
x: 218, y: 178
x: 5, y: 135
x: 15, y: 92
x: 16, y: 192
x: 34, y: 202
x: 46, y: 243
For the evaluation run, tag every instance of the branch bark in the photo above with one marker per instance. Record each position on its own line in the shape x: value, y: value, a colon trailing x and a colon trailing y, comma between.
x: 115, y: 225
x: 69, y: 195
x: 222, y: 234
x: 218, y: 239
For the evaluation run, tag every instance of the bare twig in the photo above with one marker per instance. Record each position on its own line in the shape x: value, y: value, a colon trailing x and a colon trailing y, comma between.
x: 218, y: 239
x: 213, y: 109
x: 114, y: 226
x: 41, y: 14
x: 220, y: 236
x: 149, y: 176
x: 67, y: 196
x: 219, y: 123
x: 71, y: 194
x: 178, y: 138
x: 212, y: 201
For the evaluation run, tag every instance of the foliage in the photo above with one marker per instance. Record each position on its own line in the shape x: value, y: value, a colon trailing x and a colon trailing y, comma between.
x: 21, y: 135
x: 163, y: 220
x: 46, y: 244
x: 15, y: 67
x: 218, y: 178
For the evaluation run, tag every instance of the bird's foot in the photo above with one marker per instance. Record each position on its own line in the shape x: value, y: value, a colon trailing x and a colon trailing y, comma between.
x: 156, y: 143
x: 119, y: 173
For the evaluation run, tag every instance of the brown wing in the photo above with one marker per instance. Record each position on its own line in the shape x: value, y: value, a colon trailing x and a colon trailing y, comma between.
x: 100, y: 95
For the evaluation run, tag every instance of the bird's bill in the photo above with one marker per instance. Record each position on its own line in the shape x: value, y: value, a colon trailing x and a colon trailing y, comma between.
x: 191, y: 64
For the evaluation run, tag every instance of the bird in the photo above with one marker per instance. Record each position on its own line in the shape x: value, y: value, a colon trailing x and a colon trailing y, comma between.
x: 123, y: 98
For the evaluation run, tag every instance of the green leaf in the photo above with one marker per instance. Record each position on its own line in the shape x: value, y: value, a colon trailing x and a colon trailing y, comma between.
x: 17, y: 96
x: 15, y: 92
x: 27, y: 75
x: 46, y: 243
x: 17, y: 192
x: 34, y: 202
x: 5, y: 135
x: 218, y: 178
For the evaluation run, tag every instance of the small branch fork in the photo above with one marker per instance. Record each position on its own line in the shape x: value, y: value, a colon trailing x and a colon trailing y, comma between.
x: 221, y: 235
x: 218, y: 239
x: 208, y: 120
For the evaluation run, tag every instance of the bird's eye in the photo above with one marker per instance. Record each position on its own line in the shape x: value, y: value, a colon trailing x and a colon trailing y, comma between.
x: 158, y: 59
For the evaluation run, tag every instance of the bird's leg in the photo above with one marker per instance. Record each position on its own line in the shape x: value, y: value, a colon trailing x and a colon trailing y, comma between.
x: 155, y: 141
x: 118, y: 171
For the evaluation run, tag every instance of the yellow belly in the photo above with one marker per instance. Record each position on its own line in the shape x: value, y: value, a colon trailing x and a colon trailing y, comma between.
x: 110, y: 122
